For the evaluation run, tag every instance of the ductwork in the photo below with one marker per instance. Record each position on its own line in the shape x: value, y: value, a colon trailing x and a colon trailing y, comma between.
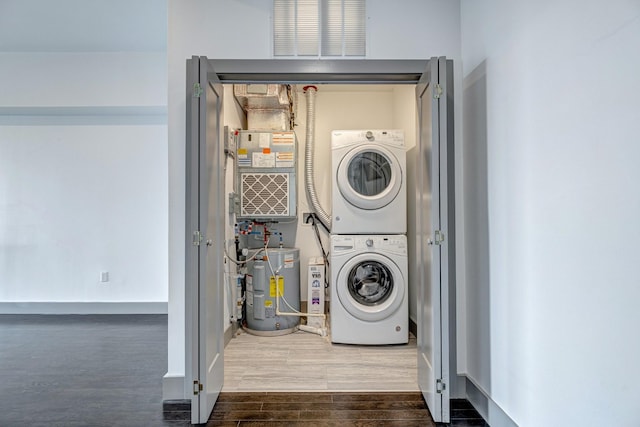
x: 324, y: 217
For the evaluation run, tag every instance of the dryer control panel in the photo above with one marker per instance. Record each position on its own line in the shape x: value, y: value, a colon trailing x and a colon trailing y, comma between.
x: 346, y: 137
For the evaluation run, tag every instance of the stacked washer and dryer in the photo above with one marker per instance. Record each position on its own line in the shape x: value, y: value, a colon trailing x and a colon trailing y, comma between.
x: 369, y: 262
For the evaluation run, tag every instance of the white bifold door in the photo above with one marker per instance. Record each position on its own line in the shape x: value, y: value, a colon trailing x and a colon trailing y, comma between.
x: 435, y: 236
x: 205, y: 211
x: 204, y: 339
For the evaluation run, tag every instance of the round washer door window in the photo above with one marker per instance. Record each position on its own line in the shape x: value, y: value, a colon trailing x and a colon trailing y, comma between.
x: 370, y: 286
x: 369, y: 177
x: 370, y: 282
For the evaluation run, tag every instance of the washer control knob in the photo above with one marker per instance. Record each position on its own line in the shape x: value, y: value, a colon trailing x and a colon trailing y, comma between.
x: 369, y: 135
x: 369, y: 242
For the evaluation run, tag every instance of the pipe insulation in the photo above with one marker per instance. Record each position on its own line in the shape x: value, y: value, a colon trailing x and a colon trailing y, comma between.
x: 324, y: 217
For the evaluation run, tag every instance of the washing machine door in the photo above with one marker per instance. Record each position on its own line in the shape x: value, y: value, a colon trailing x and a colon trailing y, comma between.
x: 370, y: 286
x: 369, y: 177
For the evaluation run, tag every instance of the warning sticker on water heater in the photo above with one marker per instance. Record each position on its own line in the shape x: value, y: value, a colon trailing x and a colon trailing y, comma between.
x: 272, y: 286
x: 288, y: 261
x: 262, y: 160
x: 249, y: 298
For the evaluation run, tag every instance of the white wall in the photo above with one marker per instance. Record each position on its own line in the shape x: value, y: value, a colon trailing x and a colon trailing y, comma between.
x: 242, y: 30
x: 83, y: 185
x: 234, y: 118
x: 413, y: 29
x: 551, y: 132
x: 79, y: 200
x: 83, y: 79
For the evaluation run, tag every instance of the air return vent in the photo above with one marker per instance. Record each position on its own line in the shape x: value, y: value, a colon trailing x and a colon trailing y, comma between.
x: 266, y: 175
x: 264, y: 194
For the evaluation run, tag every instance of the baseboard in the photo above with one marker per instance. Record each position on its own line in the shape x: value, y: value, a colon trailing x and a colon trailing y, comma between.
x: 172, y: 387
x: 490, y: 411
x: 83, y: 308
x: 228, y: 334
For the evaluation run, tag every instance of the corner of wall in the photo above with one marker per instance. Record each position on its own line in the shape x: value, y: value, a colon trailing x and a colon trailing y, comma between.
x: 173, y: 387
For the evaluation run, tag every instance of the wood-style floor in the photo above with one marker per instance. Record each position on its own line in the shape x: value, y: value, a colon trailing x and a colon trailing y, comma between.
x: 308, y: 362
x: 106, y: 370
x: 83, y: 371
x: 333, y: 409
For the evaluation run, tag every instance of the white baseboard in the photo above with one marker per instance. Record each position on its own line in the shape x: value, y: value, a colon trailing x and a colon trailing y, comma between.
x: 490, y: 411
x: 83, y: 308
x: 172, y: 387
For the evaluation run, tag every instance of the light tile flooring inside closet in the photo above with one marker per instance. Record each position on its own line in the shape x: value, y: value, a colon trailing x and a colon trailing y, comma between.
x: 306, y: 362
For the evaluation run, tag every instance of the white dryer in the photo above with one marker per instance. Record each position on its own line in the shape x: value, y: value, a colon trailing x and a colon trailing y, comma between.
x: 369, y: 183
x: 369, y: 294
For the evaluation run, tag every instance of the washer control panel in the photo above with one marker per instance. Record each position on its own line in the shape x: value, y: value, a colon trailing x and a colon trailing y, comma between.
x: 396, y: 244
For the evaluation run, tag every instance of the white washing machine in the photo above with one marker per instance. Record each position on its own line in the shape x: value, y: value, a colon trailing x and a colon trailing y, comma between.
x: 369, y: 184
x: 369, y: 295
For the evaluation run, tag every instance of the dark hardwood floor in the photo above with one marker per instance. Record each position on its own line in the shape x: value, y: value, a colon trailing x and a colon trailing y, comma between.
x: 82, y: 370
x: 332, y: 409
x: 106, y: 370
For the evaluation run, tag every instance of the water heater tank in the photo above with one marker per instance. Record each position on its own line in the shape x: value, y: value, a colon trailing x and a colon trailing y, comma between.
x: 263, y: 287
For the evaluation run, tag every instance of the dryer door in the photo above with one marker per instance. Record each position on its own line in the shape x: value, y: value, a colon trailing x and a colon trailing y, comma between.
x: 369, y: 177
x: 370, y: 286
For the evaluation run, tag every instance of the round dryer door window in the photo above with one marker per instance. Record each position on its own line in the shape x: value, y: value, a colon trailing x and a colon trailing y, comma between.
x: 369, y: 177
x: 370, y: 286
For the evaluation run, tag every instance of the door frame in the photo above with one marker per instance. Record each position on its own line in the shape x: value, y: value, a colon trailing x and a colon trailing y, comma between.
x: 359, y: 71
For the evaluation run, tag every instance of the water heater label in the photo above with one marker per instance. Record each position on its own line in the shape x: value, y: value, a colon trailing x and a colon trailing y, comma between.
x: 250, y: 298
x: 288, y: 261
x: 272, y: 286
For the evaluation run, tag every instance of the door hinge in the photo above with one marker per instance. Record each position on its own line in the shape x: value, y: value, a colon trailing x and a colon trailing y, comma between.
x: 437, y: 91
x: 438, y: 238
x: 440, y: 386
x: 197, y: 90
x: 197, y: 387
x: 197, y: 238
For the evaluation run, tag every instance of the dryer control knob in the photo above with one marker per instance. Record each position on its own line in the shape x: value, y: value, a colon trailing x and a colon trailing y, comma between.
x: 369, y: 135
x: 369, y: 242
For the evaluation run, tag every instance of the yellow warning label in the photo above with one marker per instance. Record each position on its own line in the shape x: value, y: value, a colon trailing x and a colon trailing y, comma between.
x: 272, y: 286
x: 242, y: 151
x: 268, y: 303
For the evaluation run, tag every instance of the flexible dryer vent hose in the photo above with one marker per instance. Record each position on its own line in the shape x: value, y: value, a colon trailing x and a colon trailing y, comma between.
x: 325, y: 218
